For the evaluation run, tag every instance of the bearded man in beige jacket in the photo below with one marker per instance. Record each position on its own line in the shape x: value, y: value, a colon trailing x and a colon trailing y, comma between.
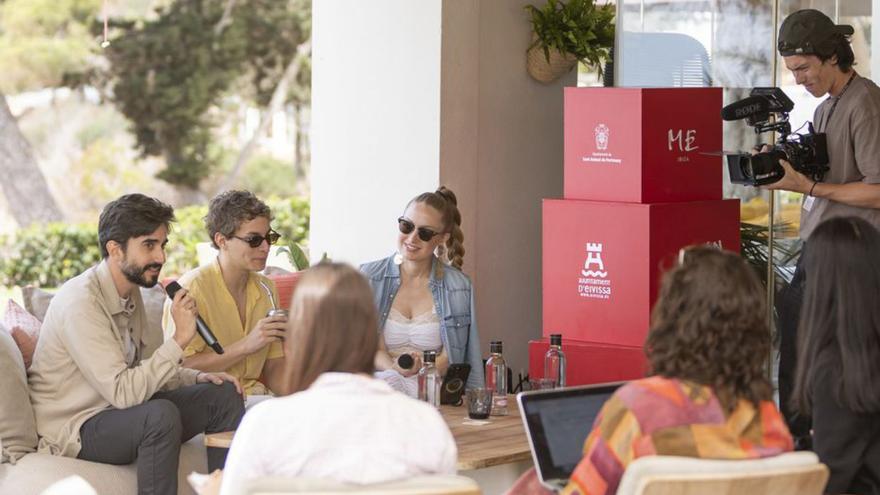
x: 104, y: 386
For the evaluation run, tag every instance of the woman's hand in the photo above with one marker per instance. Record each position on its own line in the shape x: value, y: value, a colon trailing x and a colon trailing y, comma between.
x: 417, y: 365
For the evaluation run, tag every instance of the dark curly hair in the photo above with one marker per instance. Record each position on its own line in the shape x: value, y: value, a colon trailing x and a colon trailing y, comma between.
x: 708, y: 326
x: 229, y: 209
x: 131, y: 215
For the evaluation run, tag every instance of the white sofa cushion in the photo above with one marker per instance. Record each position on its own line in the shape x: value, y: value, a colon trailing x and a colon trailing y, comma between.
x: 36, y: 472
x: 427, y: 484
x: 17, y: 427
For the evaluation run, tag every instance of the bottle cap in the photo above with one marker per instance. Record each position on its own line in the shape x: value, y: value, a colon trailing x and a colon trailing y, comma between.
x: 430, y: 356
x: 495, y: 347
x: 556, y: 339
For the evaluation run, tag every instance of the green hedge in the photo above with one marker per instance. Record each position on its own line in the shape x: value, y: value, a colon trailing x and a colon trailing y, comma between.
x: 47, y: 255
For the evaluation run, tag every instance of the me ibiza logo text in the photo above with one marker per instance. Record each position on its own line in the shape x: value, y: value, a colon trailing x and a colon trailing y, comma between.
x: 593, y: 282
x: 602, y: 133
x: 683, y: 142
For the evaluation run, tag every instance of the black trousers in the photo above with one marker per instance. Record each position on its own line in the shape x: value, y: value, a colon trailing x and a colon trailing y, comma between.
x: 152, y: 432
x: 788, y: 307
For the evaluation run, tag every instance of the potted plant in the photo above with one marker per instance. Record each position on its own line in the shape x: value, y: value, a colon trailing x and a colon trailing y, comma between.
x: 567, y: 32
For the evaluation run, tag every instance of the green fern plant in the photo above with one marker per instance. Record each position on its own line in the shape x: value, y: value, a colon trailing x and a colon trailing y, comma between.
x: 296, y: 254
x: 753, y: 247
x: 578, y: 27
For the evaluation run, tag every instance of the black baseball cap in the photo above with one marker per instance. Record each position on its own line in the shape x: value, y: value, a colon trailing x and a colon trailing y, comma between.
x: 809, y: 32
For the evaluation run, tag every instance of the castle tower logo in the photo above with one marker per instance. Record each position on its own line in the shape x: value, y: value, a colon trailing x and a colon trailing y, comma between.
x: 594, y: 258
x: 602, y: 133
x: 593, y: 281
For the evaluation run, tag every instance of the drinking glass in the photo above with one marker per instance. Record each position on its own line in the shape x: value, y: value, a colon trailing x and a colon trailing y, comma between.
x: 542, y: 384
x: 479, y: 402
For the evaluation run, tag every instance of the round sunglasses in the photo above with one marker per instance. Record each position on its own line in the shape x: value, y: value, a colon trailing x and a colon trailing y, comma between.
x: 255, y: 241
x: 406, y: 227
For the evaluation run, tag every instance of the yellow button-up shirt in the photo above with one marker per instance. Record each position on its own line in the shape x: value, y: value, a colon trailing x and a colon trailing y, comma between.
x: 217, y: 308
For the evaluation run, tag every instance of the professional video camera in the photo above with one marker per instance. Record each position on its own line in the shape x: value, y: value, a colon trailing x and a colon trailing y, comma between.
x: 807, y: 153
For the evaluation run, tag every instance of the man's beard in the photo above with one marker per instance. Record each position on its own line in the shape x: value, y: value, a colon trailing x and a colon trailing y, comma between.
x: 135, y: 274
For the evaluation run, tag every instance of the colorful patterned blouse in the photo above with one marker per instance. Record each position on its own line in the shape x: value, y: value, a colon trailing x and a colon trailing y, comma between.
x: 661, y: 416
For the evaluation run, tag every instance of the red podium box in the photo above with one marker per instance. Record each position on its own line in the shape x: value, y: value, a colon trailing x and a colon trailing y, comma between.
x: 602, y: 262
x: 642, y: 145
x: 589, y: 362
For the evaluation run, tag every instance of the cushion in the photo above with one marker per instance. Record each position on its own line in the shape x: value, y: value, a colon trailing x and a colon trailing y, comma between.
x: 36, y: 301
x: 25, y: 329
x: 17, y: 428
x: 36, y: 472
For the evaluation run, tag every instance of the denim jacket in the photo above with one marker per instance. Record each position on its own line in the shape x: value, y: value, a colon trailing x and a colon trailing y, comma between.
x: 454, y: 302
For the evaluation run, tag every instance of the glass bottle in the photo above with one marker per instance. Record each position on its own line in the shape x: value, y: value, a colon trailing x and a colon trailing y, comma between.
x: 429, y: 380
x: 496, y: 379
x: 554, y: 361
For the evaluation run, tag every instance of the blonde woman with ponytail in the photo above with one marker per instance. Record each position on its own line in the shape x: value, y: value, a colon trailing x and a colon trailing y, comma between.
x: 424, y: 300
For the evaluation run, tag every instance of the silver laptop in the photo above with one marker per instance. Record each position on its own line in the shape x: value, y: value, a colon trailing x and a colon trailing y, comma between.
x: 557, y: 423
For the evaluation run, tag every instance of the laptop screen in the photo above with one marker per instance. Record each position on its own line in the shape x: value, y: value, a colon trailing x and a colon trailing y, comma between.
x: 557, y: 423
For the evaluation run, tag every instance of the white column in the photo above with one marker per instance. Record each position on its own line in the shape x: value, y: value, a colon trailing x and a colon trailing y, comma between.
x: 375, y: 120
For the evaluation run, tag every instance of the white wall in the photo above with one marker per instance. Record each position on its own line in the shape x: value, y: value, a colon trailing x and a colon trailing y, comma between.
x: 460, y: 111
x: 375, y: 120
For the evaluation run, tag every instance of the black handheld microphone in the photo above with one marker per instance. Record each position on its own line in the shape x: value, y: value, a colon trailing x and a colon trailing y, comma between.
x: 201, y: 327
x: 747, y: 107
x: 405, y: 361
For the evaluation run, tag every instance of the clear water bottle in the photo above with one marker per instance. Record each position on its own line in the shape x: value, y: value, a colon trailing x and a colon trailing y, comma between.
x: 429, y: 380
x: 554, y: 361
x: 496, y: 379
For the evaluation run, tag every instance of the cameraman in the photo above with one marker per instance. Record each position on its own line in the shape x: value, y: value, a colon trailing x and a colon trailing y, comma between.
x: 819, y: 55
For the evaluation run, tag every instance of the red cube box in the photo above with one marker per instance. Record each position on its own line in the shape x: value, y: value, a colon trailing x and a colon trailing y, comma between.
x: 589, y: 362
x: 602, y: 262
x: 642, y: 145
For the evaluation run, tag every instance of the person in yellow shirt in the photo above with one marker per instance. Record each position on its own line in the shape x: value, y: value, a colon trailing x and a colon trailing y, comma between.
x: 233, y: 298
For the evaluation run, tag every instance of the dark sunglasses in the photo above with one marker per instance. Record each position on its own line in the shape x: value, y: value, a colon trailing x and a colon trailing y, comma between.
x: 255, y: 241
x: 406, y: 227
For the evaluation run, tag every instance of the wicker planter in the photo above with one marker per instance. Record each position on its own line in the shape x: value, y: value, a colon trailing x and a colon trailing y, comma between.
x: 546, y: 72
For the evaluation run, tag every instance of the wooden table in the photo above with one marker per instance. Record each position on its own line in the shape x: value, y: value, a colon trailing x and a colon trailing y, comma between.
x: 501, y: 441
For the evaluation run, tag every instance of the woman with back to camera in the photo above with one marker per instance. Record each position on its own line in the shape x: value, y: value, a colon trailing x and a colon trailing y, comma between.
x: 838, y: 376
x: 340, y: 423
x: 708, y: 395
x: 424, y: 300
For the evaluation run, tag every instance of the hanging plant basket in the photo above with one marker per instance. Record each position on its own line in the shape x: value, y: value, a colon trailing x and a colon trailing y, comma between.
x: 565, y: 32
x: 547, y: 71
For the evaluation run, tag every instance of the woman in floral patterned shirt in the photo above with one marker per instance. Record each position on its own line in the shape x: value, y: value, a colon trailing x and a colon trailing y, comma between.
x: 709, y: 396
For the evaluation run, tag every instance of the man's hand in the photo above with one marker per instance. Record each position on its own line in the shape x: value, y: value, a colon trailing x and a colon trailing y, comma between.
x: 217, y: 378
x: 791, y: 181
x: 268, y: 330
x: 184, y: 312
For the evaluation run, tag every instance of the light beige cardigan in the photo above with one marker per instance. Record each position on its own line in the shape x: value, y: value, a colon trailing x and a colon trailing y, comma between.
x: 79, y: 366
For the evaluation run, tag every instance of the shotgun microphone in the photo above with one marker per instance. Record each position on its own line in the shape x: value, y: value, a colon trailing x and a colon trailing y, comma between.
x: 201, y: 327
x: 747, y: 107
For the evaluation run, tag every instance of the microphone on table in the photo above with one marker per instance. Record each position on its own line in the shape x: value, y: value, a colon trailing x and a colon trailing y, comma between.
x: 201, y: 327
x: 405, y: 361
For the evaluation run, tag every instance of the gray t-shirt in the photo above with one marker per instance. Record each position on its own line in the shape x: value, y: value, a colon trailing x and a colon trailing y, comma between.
x: 853, y: 151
